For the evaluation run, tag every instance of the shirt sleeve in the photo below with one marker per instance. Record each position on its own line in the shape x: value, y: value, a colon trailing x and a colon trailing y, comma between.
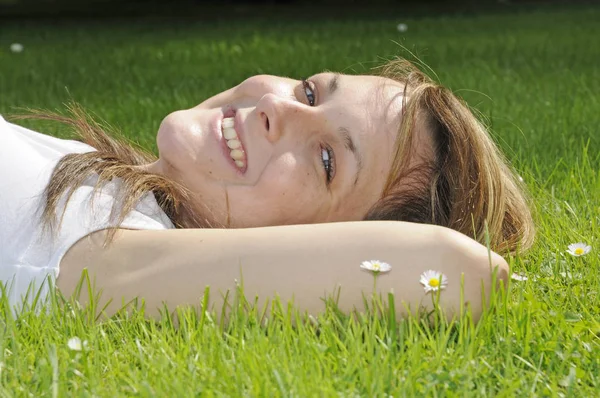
x: 88, y: 212
x: 29, y: 254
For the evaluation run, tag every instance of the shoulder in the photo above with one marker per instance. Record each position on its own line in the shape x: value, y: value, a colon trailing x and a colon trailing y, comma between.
x: 6, y: 127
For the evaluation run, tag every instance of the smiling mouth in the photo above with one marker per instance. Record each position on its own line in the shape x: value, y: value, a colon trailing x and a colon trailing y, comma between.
x: 236, y: 151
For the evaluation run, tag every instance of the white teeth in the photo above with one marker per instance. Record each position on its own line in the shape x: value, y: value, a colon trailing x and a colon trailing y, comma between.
x: 233, y: 144
x: 228, y: 122
x: 236, y: 154
x: 229, y: 133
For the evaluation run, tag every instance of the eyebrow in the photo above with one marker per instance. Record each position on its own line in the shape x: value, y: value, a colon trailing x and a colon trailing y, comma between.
x: 333, y: 83
x: 349, y: 144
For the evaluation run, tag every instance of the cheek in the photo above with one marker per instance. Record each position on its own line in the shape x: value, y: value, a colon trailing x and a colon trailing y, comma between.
x: 285, y: 194
x: 290, y: 179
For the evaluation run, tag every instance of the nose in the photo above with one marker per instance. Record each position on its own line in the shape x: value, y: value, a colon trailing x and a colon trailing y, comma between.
x: 278, y: 115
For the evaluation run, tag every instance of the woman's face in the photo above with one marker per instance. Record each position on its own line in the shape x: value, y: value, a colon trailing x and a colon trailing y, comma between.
x: 292, y: 153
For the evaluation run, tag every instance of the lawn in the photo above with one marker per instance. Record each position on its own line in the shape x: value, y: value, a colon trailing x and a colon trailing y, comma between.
x: 533, y: 75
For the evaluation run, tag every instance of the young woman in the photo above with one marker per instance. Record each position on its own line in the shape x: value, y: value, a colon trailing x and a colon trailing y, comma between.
x: 287, y: 185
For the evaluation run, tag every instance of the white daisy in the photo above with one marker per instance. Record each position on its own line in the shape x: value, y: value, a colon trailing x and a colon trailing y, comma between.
x: 579, y: 249
x: 376, y: 266
x: 75, y: 344
x: 16, y: 47
x: 517, y: 277
x: 433, y: 280
x: 402, y: 27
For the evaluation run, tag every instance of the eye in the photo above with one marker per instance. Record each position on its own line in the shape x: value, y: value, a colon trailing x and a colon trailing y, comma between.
x: 327, y: 157
x: 309, y: 92
x: 327, y: 153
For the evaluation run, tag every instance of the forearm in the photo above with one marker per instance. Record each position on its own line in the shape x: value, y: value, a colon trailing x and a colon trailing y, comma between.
x: 305, y: 263
x: 331, y: 265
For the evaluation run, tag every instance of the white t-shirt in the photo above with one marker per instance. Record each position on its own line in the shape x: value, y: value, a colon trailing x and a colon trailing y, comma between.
x: 28, y: 257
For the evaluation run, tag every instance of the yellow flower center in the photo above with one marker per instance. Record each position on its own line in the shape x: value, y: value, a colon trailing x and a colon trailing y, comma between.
x: 579, y: 250
x: 376, y: 267
x: 433, y: 282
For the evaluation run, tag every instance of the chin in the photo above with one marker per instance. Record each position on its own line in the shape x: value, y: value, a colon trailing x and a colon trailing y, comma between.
x: 175, y: 138
x: 171, y: 128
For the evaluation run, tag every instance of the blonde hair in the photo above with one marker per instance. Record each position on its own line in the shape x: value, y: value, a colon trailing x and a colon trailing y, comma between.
x: 115, y: 157
x: 468, y: 186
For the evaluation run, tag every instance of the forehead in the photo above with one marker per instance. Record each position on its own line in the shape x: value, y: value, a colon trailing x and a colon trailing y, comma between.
x: 372, y: 93
x: 371, y: 107
x: 381, y: 99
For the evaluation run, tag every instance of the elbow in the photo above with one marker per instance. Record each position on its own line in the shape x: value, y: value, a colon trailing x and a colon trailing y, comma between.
x: 502, y: 270
x: 486, y: 273
x: 494, y: 276
x: 493, y: 269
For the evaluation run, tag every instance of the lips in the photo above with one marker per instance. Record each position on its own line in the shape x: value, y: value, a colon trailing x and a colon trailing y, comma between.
x: 229, y: 111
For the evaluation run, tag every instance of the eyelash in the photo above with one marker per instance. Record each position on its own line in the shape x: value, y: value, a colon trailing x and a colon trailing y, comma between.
x: 329, y: 163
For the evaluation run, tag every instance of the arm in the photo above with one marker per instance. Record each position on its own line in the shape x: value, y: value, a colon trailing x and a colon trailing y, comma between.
x: 305, y: 262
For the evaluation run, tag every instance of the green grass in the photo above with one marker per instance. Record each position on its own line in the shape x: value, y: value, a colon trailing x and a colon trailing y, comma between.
x: 532, y: 75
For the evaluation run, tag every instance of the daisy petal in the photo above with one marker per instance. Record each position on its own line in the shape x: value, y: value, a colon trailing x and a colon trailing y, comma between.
x: 579, y: 249
x: 376, y: 266
x: 517, y: 277
x: 433, y: 281
x: 74, y: 344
